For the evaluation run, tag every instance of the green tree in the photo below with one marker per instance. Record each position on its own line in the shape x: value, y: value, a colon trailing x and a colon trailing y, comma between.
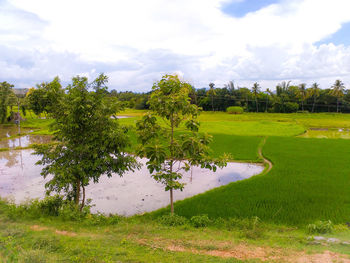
x: 45, y: 98
x: 89, y: 142
x: 211, y: 92
x: 314, y: 93
x: 338, y: 91
x: 256, y: 91
x: 169, y: 151
x: 302, y: 94
x: 5, y: 97
x: 37, y: 100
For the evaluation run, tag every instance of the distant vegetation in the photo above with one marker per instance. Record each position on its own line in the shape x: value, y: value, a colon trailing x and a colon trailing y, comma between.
x: 235, y: 110
x: 284, y: 98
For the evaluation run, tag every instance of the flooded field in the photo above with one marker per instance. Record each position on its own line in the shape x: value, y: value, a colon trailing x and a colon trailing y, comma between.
x: 24, y: 141
x: 327, y: 133
x: 9, y: 137
x: 132, y: 194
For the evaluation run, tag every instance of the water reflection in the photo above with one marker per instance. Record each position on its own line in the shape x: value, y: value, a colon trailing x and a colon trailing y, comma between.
x: 134, y: 193
x: 24, y: 141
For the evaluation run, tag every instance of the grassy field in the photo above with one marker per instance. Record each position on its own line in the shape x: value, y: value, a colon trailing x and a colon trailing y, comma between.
x: 38, y: 238
x: 302, y: 186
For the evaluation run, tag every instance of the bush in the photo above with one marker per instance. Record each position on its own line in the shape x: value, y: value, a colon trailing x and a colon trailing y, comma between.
x: 51, y: 205
x: 320, y: 227
x: 234, y: 110
x: 200, y: 221
x: 173, y: 220
x: 291, y: 107
x: 69, y: 211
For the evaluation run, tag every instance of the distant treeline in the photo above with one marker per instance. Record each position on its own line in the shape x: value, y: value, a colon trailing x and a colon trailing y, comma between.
x: 285, y: 98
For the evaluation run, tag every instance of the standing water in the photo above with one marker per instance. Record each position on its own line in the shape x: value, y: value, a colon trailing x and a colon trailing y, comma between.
x: 134, y: 193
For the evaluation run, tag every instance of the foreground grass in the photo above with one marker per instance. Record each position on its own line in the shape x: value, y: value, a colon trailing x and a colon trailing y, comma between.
x: 138, y: 239
x: 309, y: 181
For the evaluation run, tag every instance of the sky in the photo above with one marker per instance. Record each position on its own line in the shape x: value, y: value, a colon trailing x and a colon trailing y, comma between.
x: 135, y: 42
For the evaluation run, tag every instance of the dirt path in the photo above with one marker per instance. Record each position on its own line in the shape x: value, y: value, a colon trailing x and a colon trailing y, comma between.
x: 267, y: 162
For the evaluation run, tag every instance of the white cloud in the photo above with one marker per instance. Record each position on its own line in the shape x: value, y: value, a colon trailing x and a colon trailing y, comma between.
x: 190, y: 36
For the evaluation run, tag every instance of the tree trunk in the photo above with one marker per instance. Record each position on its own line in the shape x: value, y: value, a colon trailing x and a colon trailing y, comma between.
x: 171, y: 164
x: 212, y: 102
x: 313, y: 105
x: 77, y: 192
x: 337, y: 104
x: 257, y: 106
x: 83, y: 201
x: 267, y: 102
x: 302, y: 105
x: 171, y: 201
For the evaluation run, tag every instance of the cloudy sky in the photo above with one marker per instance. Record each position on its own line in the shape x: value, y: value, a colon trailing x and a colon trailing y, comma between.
x: 136, y: 41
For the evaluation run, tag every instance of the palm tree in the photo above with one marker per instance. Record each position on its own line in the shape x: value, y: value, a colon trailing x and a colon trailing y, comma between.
x: 212, y: 93
x: 268, y: 92
x: 281, y: 92
x: 302, y: 94
x: 256, y: 90
x: 314, y: 92
x: 338, y: 91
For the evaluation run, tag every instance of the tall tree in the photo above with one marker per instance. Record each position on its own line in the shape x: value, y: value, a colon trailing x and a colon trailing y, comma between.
x: 169, y: 150
x: 314, y: 93
x: 5, y: 96
x: 45, y: 98
x: 89, y: 142
x: 338, y: 91
x: 212, y: 93
x: 281, y: 92
x: 302, y: 94
x: 256, y: 91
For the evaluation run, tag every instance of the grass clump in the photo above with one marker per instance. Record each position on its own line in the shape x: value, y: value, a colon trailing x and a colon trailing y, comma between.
x: 234, y: 110
x: 320, y: 227
x: 200, y: 221
x: 58, y: 208
x: 173, y: 220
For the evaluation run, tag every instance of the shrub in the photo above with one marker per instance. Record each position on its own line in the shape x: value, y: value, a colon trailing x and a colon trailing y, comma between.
x: 320, y: 227
x: 69, y: 211
x: 51, y: 205
x: 200, y: 221
x: 173, y: 220
x: 291, y: 107
x: 234, y: 110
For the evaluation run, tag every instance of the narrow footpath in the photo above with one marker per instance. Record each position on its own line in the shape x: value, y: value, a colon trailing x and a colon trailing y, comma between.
x: 268, y: 163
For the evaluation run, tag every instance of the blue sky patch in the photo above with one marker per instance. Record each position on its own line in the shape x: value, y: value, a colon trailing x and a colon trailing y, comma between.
x: 240, y: 9
x: 342, y: 36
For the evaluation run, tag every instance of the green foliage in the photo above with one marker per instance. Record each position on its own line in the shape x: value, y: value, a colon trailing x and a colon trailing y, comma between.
x: 320, y: 227
x: 200, y: 221
x: 160, y: 144
x: 235, y: 110
x: 5, y: 94
x: 46, y: 97
x: 291, y: 107
x: 173, y: 220
x: 89, y: 142
x: 51, y: 205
